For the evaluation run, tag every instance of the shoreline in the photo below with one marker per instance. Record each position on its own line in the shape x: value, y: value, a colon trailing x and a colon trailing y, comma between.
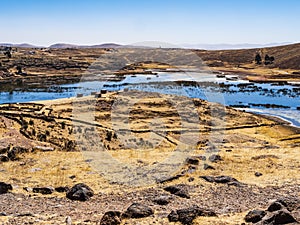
x: 276, y: 118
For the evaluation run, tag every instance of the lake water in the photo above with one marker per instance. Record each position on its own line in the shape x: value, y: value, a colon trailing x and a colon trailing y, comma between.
x: 263, y: 98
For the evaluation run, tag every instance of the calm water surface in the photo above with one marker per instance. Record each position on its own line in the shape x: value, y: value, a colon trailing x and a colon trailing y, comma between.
x: 268, y: 98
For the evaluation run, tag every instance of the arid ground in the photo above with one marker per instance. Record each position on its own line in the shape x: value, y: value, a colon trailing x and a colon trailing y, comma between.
x: 211, y: 163
x: 259, y: 155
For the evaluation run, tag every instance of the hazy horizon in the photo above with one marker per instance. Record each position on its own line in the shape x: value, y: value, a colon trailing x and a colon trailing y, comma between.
x: 220, y: 46
x: 125, y: 22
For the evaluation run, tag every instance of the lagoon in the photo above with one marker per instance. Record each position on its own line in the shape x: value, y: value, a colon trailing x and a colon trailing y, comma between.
x: 276, y: 99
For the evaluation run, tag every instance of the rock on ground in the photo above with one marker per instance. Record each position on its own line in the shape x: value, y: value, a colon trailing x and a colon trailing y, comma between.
x: 4, y: 187
x: 187, y: 215
x: 179, y: 190
x: 80, y: 192
x: 137, y: 210
x: 111, y: 218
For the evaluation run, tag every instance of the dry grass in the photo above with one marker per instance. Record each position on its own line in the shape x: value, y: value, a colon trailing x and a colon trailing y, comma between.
x: 277, y: 160
x: 245, y: 143
x: 52, y: 169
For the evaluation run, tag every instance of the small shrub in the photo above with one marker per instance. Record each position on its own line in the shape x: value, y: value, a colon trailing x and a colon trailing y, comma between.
x: 258, y: 59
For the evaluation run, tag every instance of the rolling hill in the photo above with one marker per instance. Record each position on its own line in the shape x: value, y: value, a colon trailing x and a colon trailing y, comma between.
x: 286, y: 56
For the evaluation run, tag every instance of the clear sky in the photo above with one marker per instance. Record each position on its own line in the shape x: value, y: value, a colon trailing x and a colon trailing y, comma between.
x: 44, y: 22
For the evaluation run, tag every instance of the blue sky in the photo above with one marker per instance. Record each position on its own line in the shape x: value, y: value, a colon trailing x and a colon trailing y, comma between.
x: 126, y: 22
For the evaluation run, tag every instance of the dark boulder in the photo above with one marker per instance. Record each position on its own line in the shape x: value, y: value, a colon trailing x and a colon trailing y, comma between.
x: 43, y: 190
x: 180, y: 190
x: 192, y: 160
x: 4, y: 187
x: 62, y: 189
x: 291, y: 203
x: 255, y: 216
x: 280, y: 217
x: 80, y: 192
x: 275, y: 206
x: 173, y: 216
x: 111, y: 218
x: 137, y: 210
x: 187, y: 215
x: 281, y: 211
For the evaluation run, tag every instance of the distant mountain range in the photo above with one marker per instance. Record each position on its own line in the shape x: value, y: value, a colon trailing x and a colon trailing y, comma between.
x: 189, y: 46
x: 232, y: 46
x: 23, y: 45
x: 62, y: 45
x: 105, y: 45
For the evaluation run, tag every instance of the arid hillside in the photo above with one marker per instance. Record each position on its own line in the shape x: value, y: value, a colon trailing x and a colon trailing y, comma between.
x: 225, y: 165
x: 286, y: 57
x: 22, y: 66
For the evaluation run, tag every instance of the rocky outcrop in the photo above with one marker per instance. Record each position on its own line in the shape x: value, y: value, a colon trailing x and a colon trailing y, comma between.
x: 255, y: 216
x: 279, y: 217
x: 280, y: 211
x: 180, y: 190
x: 137, y: 210
x: 80, y: 192
x: 187, y: 215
